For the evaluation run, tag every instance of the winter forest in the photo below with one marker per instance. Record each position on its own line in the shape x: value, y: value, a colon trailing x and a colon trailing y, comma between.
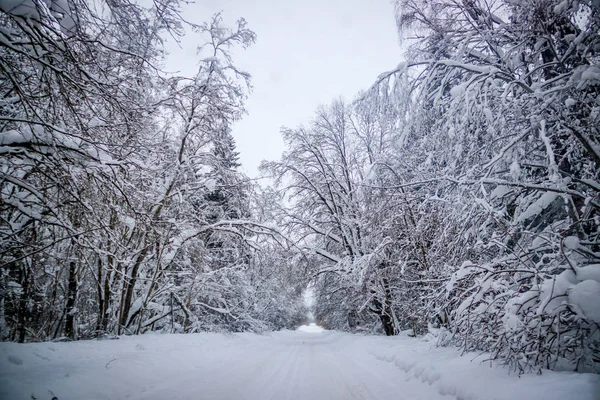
x: 459, y: 194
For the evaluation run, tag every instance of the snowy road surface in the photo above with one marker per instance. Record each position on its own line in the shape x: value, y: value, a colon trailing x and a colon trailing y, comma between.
x: 280, y: 365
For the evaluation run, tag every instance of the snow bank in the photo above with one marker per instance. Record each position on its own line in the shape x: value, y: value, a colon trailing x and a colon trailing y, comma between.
x: 110, y: 369
x: 280, y: 365
x: 471, y: 377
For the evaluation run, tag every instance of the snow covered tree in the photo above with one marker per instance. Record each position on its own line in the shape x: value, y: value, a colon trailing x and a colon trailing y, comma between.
x: 461, y: 190
x: 122, y: 210
x: 503, y: 129
x: 331, y: 214
x: 70, y: 113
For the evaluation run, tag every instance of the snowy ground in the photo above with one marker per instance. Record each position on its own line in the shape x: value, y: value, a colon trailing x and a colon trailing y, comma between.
x: 307, y: 364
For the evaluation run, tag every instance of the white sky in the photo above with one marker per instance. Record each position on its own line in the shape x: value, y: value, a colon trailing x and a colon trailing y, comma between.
x: 307, y: 53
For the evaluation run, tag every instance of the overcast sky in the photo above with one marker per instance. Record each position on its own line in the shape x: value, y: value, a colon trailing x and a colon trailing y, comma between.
x: 307, y: 53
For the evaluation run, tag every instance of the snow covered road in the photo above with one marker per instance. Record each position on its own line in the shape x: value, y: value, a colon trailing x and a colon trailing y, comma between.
x: 280, y: 365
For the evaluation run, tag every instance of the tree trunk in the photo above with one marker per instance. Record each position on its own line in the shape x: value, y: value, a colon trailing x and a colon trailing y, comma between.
x: 129, y: 286
x: 109, y: 279
x: 106, y: 304
x: 100, y: 297
x: 387, y: 321
x: 385, y: 310
x: 71, y: 299
x: 23, y: 306
x: 388, y: 324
